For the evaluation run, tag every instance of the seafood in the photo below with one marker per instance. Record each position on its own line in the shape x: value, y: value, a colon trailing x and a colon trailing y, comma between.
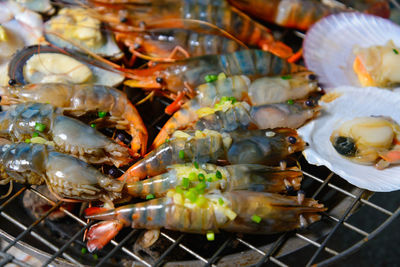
x: 330, y: 44
x: 176, y: 43
x: 368, y: 140
x: 190, y: 73
x: 189, y: 14
x: 237, y: 211
x: 65, y: 176
x: 302, y: 14
x: 240, y: 146
x: 75, y: 26
x: 262, y: 92
x: 34, y: 122
x: 77, y: 100
x: 19, y: 27
x: 41, y: 64
x: 342, y: 107
x: 229, y: 178
x: 41, y: 6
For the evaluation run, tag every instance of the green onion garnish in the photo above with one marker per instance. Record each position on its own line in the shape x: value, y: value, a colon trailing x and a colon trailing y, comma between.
x: 221, y: 201
x: 150, y: 196
x: 181, y: 154
x: 196, y: 165
x: 102, y: 114
x: 35, y: 134
x: 192, y: 176
x: 191, y: 195
x: 179, y: 189
x: 210, y: 179
x: 200, y: 187
x: 218, y: 174
x: 167, y: 140
x: 40, y: 127
x: 210, y: 236
x: 256, y: 218
x: 27, y: 141
x: 83, y: 250
x: 210, y: 78
x: 395, y: 51
x: 201, y: 177
x: 95, y: 257
x: 286, y: 77
x: 290, y: 102
x: 93, y: 125
x: 185, y: 182
x: 201, y: 201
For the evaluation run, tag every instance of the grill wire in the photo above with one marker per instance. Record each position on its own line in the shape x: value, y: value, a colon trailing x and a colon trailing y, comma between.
x: 257, y: 256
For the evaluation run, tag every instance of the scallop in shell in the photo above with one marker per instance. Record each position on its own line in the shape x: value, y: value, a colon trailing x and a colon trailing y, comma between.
x: 75, y: 26
x: 329, y: 45
x: 43, y: 64
x: 342, y: 105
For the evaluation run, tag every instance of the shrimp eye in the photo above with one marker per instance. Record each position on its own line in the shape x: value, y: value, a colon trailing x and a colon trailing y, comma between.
x: 123, y: 19
x: 12, y: 82
x: 310, y: 103
x: 292, y: 140
x: 159, y: 80
x: 136, y: 46
x: 312, y: 77
x: 345, y: 146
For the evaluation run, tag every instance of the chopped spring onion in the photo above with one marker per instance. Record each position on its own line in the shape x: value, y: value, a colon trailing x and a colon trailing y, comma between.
x: 290, y: 102
x: 40, y: 127
x: 191, y: 195
x: 221, y: 76
x: 196, y: 165
x: 210, y: 236
x: 201, y: 201
x: 93, y: 125
x: 286, y: 77
x: 200, y: 187
x: 218, y: 174
x: 185, y: 183
x: 27, y: 141
x: 150, y: 196
x: 395, y: 51
x: 181, y: 154
x: 210, y: 78
x: 95, y: 257
x: 201, y: 177
x: 221, y: 201
x: 167, y: 140
x: 192, y: 176
x: 83, y: 250
x: 102, y: 114
x: 210, y: 179
x: 35, y: 134
x: 256, y: 218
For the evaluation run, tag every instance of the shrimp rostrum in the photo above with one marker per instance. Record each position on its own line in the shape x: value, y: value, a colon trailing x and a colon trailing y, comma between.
x: 42, y: 123
x: 237, y: 211
x: 65, y: 176
x: 251, y: 177
x: 77, y: 100
x: 240, y: 146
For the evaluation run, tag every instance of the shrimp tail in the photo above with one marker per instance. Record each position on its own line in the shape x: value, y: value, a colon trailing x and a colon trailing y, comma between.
x: 277, y: 48
x: 101, y: 234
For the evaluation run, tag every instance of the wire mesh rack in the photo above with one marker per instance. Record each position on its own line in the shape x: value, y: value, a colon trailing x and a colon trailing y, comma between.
x: 63, y: 245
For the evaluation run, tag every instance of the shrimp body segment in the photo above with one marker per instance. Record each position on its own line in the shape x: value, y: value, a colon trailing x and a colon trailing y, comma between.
x: 65, y: 175
x: 77, y: 100
x: 37, y: 122
x: 230, y: 211
x: 237, y: 147
x: 252, y: 177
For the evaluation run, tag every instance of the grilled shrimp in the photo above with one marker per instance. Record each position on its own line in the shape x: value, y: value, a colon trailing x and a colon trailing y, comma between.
x: 65, y: 175
x: 252, y: 177
x: 190, y: 72
x: 249, y: 146
x: 237, y: 211
x: 193, y: 15
x: 262, y: 91
x: 76, y: 100
x: 175, y: 43
x: 68, y: 135
x: 302, y: 14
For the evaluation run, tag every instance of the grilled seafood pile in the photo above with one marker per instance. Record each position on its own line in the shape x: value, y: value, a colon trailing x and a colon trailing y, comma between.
x: 226, y: 158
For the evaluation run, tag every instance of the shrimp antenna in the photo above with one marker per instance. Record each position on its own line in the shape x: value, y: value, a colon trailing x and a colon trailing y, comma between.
x: 10, y: 188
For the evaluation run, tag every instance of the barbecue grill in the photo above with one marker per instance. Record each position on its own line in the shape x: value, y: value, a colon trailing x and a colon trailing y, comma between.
x: 59, y: 243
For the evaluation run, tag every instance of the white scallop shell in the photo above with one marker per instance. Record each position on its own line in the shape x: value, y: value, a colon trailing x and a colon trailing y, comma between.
x: 328, y: 46
x: 353, y: 102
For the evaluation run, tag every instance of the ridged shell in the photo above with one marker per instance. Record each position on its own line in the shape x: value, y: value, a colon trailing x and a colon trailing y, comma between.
x: 353, y: 102
x: 328, y: 46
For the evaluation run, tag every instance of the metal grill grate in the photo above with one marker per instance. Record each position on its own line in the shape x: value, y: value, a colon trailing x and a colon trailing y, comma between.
x: 341, y: 198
